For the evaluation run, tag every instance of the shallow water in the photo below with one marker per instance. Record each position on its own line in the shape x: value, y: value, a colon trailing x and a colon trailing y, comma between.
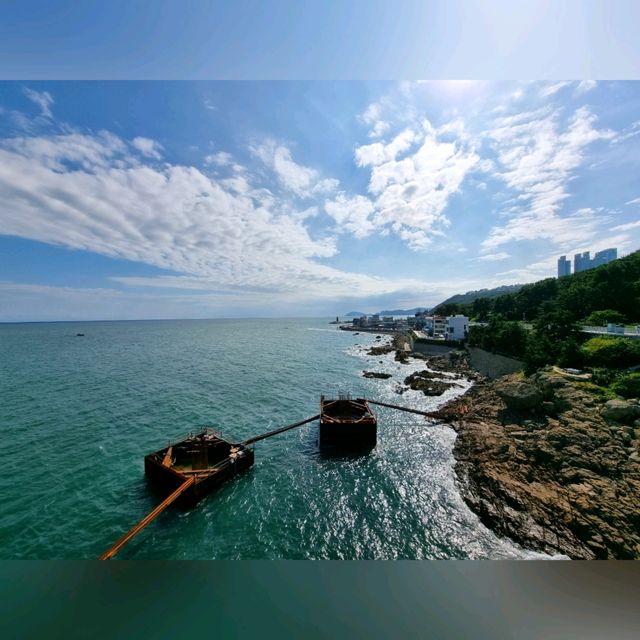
x: 78, y: 414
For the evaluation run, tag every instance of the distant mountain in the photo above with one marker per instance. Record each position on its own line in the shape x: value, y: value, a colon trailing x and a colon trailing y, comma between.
x: 387, y: 312
x: 402, y: 312
x: 470, y: 296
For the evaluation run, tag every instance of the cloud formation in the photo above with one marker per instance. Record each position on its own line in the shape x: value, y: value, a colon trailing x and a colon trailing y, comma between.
x: 147, y: 147
x: 42, y: 99
x: 302, y: 181
x: 537, y: 157
x: 87, y: 192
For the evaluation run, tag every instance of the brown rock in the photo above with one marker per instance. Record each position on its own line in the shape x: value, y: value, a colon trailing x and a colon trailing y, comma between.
x: 519, y: 396
x: 565, y: 484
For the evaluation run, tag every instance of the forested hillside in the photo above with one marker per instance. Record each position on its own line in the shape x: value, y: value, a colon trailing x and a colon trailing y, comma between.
x: 613, y: 287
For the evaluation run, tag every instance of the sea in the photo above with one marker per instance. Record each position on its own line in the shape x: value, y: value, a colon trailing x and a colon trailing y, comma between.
x: 78, y: 413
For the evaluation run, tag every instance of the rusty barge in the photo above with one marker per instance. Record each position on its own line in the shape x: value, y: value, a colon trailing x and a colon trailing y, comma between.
x: 346, y: 424
x: 205, y: 456
x: 188, y: 469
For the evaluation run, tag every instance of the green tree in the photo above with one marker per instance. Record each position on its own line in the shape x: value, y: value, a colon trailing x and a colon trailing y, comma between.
x: 599, y: 318
x: 627, y: 386
x: 611, y: 352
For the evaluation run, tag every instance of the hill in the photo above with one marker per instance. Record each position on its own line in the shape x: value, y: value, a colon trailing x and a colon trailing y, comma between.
x: 613, y: 286
x: 470, y: 296
x: 387, y: 312
x: 402, y: 312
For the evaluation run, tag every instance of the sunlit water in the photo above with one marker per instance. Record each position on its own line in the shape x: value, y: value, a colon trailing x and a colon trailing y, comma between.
x: 78, y: 414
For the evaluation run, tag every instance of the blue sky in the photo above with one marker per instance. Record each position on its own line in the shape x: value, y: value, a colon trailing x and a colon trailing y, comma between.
x: 228, y: 199
x: 323, y: 39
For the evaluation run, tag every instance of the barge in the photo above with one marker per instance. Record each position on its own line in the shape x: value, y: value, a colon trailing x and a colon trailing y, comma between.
x: 206, y: 457
x: 346, y: 423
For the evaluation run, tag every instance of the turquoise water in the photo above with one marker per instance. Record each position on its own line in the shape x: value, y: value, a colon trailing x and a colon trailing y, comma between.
x: 78, y: 414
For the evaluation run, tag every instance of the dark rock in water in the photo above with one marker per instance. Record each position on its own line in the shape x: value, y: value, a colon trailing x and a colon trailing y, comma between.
x: 381, y: 350
x: 378, y: 337
x: 399, y: 389
x: 78, y: 335
x: 428, y: 383
x: 375, y: 374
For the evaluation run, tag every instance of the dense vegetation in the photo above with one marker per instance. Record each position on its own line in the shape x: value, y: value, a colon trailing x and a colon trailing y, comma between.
x: 613, y: 287
x: 554, y: 309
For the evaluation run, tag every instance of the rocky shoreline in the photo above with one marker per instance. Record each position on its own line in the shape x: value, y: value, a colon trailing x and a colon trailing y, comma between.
x: 547, y: 461
x: 551, y: 463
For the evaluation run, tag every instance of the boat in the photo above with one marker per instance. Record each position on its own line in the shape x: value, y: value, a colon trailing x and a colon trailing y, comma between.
x: 347, y: 423
x: 205, y: 456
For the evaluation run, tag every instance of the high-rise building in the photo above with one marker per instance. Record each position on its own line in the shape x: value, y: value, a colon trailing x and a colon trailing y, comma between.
x: 604, y: 256
x: 583, y: 261
x: 564, y: 267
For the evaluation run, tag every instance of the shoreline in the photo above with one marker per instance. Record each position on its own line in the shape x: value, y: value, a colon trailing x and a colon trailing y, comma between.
x: 544, y: 461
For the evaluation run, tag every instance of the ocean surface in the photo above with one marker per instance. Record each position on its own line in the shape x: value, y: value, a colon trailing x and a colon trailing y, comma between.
x: 78, y: 415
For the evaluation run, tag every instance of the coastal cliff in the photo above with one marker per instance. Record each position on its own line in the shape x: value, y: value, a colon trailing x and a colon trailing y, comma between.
x: 551, y: 463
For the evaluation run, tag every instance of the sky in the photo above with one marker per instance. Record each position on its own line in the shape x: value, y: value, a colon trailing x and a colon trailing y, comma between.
x: 198, y: 199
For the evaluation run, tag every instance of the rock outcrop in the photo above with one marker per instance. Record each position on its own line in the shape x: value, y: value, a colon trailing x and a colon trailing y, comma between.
x: 551, y: 463
x: 376, y: 374
x: 428, y: 382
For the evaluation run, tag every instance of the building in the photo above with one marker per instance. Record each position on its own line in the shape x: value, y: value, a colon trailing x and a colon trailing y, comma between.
x: 564, y: 267
x: 457, y: 327
x: 439, y: 326
x: 604, y: 256
x: 583, y: 261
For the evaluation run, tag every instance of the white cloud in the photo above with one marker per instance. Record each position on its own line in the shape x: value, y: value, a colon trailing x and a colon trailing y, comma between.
x: 629, y: 132
x: 352, y: 215
x: 634, y: 201
x: 494, y: 257
x: 585, y: 86
x: 378, y: 152
x: 41, y: 98
x: 532, y: 272
x: 412, y: 178
x: 300, y: 180
x: 208, y: 104
x: 412, y: 194
x: 552, y: 89
x: 537, y: 159
x: 229, y: 236
x: 627, y: 227
x: 372, y: 113
x: 379, y: 129
x: 148, y: 147
x: 222, y: 159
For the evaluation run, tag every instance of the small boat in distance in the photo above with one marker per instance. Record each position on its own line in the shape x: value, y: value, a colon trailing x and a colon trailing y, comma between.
x: 347, y: 424
x: 79, y: 335
x: 206, y: 457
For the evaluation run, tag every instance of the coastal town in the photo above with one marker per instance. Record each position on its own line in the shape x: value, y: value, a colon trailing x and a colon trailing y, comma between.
x: 422, y: 325
x: 548, y: 433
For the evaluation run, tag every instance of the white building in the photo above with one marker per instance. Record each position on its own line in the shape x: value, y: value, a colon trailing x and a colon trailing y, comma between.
x: 457, y: 327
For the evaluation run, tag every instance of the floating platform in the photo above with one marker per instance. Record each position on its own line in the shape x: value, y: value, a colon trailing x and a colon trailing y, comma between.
x: 347, y: 424
x: 206, y: 457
